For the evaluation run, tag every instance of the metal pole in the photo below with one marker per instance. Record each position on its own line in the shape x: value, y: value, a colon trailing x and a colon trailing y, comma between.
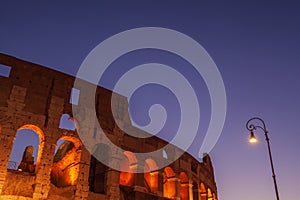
x: 272, y: 166
x: 252, y: 127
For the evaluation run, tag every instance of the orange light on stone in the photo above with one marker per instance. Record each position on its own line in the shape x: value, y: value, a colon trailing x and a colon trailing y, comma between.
x: 65, y: 170
x: 170, y: 189
x: 126, y: 178
x: 169, y: 183
x: 209, y: 194
x: 73, y: 175
x: 128, y: 169
x: 184, y: 186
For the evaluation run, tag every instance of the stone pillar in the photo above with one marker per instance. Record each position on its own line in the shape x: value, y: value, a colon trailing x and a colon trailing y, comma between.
x: 7, y: 137
x: 177, y: 186
x: 8, y: 132
x: 47, y: 148
x: 186, y: 190
x: 154, y: 178
x: 190, y: 183
x: 190, y: 189
x: 112, y: 183
x: 177, y: 178
x: 139, y: 178
x: 42, y: 177
x: 113, y: 180
x: 160, y: 185
x: 82, y: 186
x: 199, y: 193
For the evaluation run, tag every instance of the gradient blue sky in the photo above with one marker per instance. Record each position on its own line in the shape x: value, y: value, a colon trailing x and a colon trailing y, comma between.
x: 255, y: 45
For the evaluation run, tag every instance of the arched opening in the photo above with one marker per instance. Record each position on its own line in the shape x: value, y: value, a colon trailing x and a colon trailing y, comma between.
x: 128, y: 169
x: 164, y: 154
x: 203, y: 192
x: 169, y: 183
x: 169, y: 152
x: 97, y: 176
x: 209, y: 194
x: 195, y: 191
x: 184, y: 186
x: 65, y: 168
x: 151, y: 175
x: 27, y: 149
x: 67, y: 122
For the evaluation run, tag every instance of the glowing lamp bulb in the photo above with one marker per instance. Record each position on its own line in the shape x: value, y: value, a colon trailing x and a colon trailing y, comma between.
x: 252, y: 138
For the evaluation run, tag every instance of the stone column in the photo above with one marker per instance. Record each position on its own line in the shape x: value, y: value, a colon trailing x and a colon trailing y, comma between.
x: 190, y: 189
x: 139, y: 178
x: 199, y: 193
x: 160, y: 185
x: 177, y: 178
x: 8, y: 131
x: 177, y: 183
x: 154, y: 178
x: 43, y: 171
x: 7, y: 137
x: 82, y: 186
x: 190, y: 183
x: 113, y: 180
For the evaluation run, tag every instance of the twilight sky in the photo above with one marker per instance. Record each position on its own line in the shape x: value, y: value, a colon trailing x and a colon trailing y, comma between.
x: 255, y: 45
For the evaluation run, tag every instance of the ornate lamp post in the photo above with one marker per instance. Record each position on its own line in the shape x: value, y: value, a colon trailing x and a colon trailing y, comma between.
x: 251, y: 127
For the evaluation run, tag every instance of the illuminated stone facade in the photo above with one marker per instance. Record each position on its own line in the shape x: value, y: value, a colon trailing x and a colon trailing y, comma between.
x: 34, y: 97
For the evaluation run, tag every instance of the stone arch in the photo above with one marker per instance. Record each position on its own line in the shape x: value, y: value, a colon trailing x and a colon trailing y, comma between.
x: 65, y: 168
x: 128, y: 168
x: 97, y: 172
x: 169, y: 172
x: 40, y: 133
x: 203, y: 194
x: 151, y: 175
x: 169, y: 183
x: 77, y: 143
x: 184, y: 186
x: 131, y: 157
x: 24, y: 164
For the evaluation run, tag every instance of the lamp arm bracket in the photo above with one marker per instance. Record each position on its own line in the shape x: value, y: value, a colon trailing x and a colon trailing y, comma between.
x: 252, y: 127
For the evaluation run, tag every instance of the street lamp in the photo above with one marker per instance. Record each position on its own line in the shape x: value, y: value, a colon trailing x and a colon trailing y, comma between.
x: 251, y: 127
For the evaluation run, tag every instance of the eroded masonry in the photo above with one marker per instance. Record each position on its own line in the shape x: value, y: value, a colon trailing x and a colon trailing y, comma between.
x: 35, y: 99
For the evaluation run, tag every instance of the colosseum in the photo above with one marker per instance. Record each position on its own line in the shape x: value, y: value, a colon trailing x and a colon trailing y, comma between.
x: 37, y: 99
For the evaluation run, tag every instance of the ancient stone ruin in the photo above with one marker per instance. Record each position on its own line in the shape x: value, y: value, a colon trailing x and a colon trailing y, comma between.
x: 35, y: 98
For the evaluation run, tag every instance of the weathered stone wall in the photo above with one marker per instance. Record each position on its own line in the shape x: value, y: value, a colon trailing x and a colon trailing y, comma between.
x: 36, y: 97
x: 65, y: 193
x: 18, y: 184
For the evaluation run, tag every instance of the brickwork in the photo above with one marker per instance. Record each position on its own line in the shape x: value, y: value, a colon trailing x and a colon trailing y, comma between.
x: 34, y: 97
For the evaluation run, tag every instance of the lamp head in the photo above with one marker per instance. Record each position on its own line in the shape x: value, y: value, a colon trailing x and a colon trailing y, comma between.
x: 252, y: 138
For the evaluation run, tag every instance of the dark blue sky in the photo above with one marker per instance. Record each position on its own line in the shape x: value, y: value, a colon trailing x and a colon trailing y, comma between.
x: 255, y: 45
